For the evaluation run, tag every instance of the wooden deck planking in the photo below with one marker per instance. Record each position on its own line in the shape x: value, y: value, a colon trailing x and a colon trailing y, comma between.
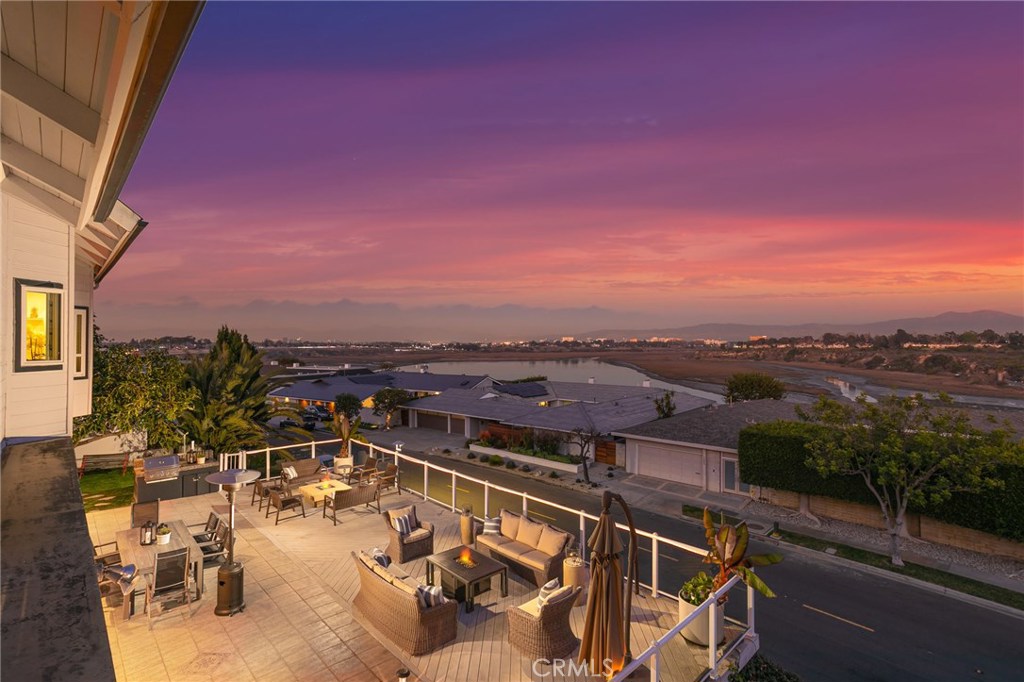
x: 481, y: 649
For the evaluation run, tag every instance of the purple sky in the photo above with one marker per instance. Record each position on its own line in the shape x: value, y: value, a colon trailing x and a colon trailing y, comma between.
x: 654, y: 164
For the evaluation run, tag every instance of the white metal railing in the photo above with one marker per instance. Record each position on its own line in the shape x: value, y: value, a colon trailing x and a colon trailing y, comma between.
x: 239, y: 459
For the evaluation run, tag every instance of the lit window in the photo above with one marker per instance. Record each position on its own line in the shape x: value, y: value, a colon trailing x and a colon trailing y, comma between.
x: 39, y: 325
x: 81, y: 342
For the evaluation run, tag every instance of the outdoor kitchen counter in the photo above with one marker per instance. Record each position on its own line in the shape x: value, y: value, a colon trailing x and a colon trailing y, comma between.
x: 191, y: 480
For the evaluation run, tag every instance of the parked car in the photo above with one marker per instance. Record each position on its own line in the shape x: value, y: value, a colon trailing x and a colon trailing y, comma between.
x: 287, y: 422
x: 318, y: 412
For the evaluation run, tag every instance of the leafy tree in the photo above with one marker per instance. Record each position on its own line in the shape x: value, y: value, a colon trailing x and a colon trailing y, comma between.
x: 585, y: 439
x: 664, y: 405
x: 907, y: 453
x: 753, y: 386
x: 346, y: 422
x: 134, y: 391
x: 230, y: 408
x: 386, y: 402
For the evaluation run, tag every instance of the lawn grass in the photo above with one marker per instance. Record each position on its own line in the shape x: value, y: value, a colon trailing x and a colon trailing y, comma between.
x: 698, y: 513
x: 935, y: 576
x: 110, y: 484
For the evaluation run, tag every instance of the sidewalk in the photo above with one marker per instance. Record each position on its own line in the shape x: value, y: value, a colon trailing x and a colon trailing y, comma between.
x: 667, y: 498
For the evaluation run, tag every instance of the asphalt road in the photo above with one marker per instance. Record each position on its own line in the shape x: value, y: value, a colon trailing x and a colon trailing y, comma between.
x: 828, y: 622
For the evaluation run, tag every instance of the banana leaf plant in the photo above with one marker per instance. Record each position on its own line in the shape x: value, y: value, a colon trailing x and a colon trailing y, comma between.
x: 727, y: 549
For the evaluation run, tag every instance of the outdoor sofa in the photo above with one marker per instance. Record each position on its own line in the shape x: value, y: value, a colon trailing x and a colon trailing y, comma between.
x: 387, y: 599
x: 531, y: 549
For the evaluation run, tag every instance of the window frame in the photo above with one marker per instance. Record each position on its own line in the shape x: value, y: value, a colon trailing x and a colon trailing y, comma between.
x: 21, y: 288
x: 81, y: 312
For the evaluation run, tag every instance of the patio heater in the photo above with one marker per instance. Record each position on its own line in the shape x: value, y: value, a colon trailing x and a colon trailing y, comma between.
x: 230, y: 574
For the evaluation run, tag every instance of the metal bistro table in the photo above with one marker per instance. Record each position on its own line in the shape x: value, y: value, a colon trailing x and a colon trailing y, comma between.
x: 144, y: 556
x: 465, y: 583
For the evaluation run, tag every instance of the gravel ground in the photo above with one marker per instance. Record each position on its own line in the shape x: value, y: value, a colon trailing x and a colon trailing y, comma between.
x: 863, y: 536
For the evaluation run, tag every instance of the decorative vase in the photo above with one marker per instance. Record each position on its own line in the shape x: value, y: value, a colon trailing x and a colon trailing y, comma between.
x: 697, y: 630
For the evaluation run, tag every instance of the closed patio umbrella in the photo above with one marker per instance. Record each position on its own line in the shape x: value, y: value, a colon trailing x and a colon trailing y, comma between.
x: 604, y: 644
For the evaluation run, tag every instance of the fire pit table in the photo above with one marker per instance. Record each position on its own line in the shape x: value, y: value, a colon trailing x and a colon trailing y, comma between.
x: 465, y: 573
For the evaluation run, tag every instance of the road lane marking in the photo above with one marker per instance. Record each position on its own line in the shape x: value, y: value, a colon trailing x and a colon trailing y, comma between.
x: 461, y: 490
x: 543, y: 516
x: 832, y: 615
x: 660, y: 555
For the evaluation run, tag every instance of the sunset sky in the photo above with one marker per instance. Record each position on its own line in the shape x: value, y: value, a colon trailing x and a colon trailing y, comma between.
x: 588, y: 165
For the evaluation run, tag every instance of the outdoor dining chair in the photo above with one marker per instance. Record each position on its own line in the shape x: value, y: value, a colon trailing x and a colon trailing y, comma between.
x: 145, y: 511
x: 261, y: 490
x: 169, y: 582
x: 217, y: 546
x: 367, y: 471
x: 209, y: 528
x: 389, y: 478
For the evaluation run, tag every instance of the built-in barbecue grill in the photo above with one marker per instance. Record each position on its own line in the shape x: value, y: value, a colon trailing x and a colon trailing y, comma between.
x: 160, y: 468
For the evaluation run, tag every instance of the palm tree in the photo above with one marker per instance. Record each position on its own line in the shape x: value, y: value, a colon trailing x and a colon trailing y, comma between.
x: 231, y: 407
x: 346, y: 422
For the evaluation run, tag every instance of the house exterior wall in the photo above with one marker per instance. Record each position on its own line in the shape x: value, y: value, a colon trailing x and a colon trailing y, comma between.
x: 37, y: 246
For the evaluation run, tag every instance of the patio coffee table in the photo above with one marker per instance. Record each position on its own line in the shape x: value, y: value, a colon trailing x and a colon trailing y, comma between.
x: 464, y: 583
x: 317, y: 492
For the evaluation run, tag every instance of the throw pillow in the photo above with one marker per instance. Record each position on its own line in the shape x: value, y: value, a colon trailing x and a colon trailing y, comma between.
x: 290, y: 473
x: 378, y: 555
x: 547, y: 589
x: 529, y: 532
x: 492, y: 526
x: 551, y: 541
x: 430, y: 595
x: 557, y: 596
x: 403, y: 524
x: 509, y: 524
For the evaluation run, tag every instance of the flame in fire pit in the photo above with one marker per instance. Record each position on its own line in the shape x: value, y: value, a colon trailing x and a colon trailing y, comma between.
x: 465, y: 559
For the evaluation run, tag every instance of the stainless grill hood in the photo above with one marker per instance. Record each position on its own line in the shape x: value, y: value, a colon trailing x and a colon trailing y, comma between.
x: 160, y: 468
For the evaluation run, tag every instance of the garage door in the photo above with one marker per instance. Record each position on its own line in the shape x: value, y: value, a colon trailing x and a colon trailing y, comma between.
x: 458, y: 425
x: 437, y: 422
x: 672, y: 464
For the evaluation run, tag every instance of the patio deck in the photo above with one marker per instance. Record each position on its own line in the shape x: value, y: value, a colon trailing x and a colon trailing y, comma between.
x: 299, y: 622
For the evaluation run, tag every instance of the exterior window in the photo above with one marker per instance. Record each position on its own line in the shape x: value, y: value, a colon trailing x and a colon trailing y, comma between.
x: 38, y: 323
x: 731, y: 477
x: 81, y: 342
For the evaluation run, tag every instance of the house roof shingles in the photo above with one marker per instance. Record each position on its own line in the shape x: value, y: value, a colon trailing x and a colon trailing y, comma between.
x: 717, y: 425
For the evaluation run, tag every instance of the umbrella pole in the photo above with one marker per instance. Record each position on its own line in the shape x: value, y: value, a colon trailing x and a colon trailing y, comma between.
x: 632, y: 573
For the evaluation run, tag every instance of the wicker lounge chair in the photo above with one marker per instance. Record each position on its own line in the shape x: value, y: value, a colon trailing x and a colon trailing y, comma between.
x: 418, y: 542
x: 544, y: 631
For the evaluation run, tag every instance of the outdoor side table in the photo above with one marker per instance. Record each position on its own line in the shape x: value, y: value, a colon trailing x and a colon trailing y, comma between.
x: 576, y: 573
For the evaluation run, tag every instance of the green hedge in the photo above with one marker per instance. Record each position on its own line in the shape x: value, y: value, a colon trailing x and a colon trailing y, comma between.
x: 774, y: 455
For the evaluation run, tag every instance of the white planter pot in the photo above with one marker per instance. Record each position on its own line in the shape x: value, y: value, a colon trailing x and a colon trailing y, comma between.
x: 163, y: 539
x: 697, y: 630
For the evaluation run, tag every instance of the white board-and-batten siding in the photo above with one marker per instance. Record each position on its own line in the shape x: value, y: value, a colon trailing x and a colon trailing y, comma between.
x: 36, y: 245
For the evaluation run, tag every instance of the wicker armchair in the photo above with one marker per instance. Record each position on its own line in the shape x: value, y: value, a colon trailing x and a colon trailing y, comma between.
x: 419, y: 542
x: 543, y: 631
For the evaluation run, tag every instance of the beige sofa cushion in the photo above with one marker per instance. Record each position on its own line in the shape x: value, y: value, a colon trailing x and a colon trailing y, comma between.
x: 532, y: 607
x: 509, y: 524
x: 534, y: 559
x: 558, y: 595
x: 529, y: 532
x: 407, y: 510
x: 551, y: 541
x: 408, y: 585
x: 397, y: 571
x: 417, y: 534
x: 515, y: 549
x: 493, y: 541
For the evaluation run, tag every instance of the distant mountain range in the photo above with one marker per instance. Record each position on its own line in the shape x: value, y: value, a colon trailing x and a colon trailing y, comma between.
x: 946, y: 322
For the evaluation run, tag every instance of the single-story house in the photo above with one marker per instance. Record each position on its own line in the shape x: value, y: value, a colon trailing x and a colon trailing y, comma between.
x: 546, y: 406
x: 699, y: 447
x: 321, y: 391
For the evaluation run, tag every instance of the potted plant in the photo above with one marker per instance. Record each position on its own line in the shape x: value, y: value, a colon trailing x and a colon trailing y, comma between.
x: 727, y: 550
x: 163, y: 534
x: 692, y: 594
